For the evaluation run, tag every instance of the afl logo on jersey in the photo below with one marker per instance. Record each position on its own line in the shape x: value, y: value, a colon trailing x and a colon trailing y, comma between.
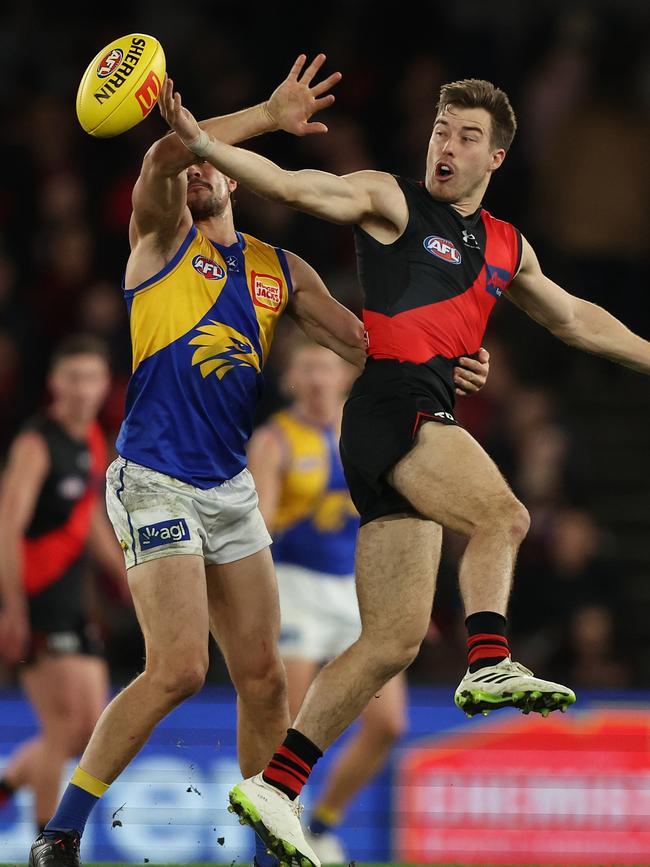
x: 443, y: 249
x: 109, y: 63
x: 208, y: 268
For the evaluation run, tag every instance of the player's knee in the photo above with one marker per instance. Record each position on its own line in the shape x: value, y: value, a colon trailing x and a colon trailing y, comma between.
x: 519, y: 523
x: 510, y: 518
x: 393, y: 656
x: 179, y: 680
x: 262, y: 681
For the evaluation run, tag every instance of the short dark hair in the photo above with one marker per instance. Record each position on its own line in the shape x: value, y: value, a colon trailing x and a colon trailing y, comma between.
x: 477, y: 93
x: 80, y: 344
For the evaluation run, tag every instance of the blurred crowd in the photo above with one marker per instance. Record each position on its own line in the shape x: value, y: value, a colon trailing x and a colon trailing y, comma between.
x: 567, y: 430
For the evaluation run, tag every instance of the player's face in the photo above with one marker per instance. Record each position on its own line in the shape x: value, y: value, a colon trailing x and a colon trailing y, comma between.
x: 318, y: 375
x: 79, y: 385
x: 461, y: 156
x: 208, y: 191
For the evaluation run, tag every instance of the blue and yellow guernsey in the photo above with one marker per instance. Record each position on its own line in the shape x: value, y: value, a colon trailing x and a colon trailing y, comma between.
x: 201, y: 330
x: 316, y: 523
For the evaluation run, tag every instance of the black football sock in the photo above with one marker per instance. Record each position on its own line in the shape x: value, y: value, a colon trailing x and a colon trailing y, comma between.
x: 487, y: 643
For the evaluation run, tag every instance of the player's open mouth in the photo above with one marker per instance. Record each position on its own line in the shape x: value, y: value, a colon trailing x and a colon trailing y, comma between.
x: 443, y: 171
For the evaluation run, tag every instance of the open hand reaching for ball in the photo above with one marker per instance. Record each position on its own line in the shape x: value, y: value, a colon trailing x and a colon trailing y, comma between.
x: 179, y: 118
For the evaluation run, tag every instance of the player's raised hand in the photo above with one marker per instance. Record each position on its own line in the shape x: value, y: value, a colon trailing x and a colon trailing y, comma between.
x: 294, y: 101
x: 177, y: 116
x: 471, y: 373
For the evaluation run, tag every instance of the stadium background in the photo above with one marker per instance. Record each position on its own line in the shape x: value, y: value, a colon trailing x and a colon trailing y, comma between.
x: 569, y: 431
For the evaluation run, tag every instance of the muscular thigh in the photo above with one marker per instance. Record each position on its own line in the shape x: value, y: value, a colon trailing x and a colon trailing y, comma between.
x: 396, y: 567
x: 170, y: 599
x: 450, y: 478
x: 244, y: 609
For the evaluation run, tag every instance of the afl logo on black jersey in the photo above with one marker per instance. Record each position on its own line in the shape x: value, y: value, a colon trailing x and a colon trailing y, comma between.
x: 442, y: 248
x: 208, y: 268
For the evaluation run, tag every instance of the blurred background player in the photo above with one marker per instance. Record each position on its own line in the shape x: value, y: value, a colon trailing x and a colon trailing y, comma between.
x: 51, y: 513
x: 304, y: 499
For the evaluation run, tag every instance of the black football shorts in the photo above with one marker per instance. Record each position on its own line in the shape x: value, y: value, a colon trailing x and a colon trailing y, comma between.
x: 386, y: 407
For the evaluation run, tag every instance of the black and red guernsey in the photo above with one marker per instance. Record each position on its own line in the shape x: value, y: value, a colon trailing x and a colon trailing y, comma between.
x: 55, y: 541
x: 430, y: 293
x: 427, y: 300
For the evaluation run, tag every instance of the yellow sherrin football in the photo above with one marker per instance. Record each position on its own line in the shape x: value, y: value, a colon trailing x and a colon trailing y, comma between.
x: 121, y: 85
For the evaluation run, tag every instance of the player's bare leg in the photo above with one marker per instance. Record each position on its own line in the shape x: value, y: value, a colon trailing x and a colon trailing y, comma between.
x: 397, y: 562
x: 363, y: 756
x: 245, y: 621
x: 300, y: 674
x: 170, y: 600
x: 396, y: 567
x: 67, y: 693
x: 367, y: 751
x: 449, y: 477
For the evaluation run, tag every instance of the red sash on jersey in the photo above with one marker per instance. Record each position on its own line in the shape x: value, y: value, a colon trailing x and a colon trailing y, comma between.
x: 46, y: 558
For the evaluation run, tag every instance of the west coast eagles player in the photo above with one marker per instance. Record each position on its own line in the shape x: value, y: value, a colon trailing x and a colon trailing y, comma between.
x: 203, y: 300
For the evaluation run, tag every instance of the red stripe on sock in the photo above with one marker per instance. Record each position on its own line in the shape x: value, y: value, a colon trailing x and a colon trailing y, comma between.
x: 485, y: 636
x: 486, y: 650
x: 279, y: 766
x: 275, y: 775
x: 289, y: 754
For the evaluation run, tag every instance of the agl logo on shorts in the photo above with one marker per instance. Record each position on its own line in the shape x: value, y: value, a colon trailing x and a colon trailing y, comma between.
x: 208, y: 268
x: 163, y: 533
x: 442, y: 248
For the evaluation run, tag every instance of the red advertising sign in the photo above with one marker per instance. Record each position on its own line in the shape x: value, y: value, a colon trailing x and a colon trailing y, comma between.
x: 568, y: 790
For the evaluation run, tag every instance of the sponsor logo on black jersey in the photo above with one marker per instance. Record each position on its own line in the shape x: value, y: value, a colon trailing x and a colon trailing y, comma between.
x: 442, y: 248
x: 496, y: 279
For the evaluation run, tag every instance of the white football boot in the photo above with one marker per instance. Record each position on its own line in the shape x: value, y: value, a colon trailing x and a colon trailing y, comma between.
x: 327, y: 846
x: 275, y: 818
x: 509, y: 684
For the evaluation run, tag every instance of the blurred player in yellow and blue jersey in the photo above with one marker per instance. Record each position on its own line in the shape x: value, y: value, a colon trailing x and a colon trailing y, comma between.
x: 203, y: 300
x: 304, y: 499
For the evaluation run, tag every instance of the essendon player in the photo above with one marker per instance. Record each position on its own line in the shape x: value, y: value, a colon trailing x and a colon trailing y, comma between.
x: 432, y: 263
x: 51, y: 512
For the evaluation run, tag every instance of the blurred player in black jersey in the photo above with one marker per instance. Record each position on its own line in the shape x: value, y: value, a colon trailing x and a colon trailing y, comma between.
x: 51, y: 513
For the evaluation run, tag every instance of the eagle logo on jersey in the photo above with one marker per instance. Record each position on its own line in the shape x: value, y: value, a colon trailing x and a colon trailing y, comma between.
x: 221, y: 349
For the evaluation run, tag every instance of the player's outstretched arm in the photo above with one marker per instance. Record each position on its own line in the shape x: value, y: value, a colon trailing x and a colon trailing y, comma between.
x: 355, y: 198
x: 573, y: 320
x: 290, y: 106
x: 159, y: 196
x: 322, y: 317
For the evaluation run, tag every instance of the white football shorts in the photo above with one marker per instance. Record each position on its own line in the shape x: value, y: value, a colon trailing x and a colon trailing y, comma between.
x: 319, y: 613
x: 155, y: 515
